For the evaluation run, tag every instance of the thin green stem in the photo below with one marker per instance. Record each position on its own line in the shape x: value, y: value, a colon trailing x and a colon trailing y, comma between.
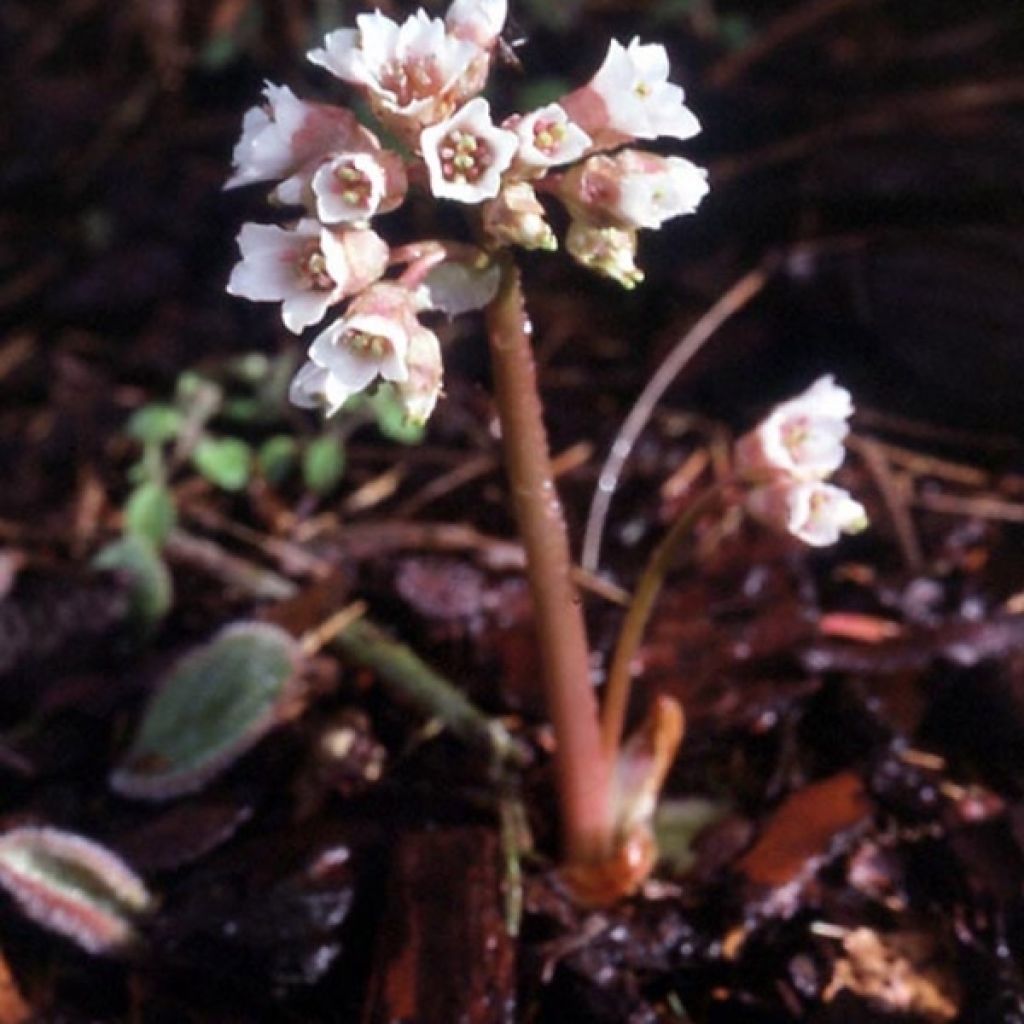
x: 647, y: 589
x: 583, y: 772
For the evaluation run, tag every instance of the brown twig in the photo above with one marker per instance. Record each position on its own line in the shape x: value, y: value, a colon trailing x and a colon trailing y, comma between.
x: 735, y: 299
x: 896, y: 494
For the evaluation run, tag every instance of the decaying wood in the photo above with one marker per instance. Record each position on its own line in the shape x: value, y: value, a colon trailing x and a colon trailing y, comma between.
x: 443, y: 953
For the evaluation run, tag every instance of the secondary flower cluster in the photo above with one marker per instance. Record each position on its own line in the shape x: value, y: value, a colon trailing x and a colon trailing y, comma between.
x: 421, y: 80
x: 788, y: 457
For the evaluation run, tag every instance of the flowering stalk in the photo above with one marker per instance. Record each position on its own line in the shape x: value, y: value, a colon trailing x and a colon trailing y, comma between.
x: 616, y: 697
x: 583, y: 769
x: 335, y: 181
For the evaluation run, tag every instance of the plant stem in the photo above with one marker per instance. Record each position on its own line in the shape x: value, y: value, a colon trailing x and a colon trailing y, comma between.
x: 583, y: 771
x: 648, y: 587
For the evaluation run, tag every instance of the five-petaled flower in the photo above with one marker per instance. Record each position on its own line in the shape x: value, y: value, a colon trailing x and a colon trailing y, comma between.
x: 801, y: 438
x: 812, y: 511
x: 633, y: 189
x: 307, y: 268
x: 467, y: 154
x: 413, y: 74
x: 352, y: 187
x: 547, y: 138
x: 372, y: 340
x: 286, y: 133
x: 631, y: 97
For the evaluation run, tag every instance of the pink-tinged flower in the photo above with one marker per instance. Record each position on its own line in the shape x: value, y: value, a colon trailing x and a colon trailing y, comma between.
x: 802, y: 438
x: 352, y: 187
x: 633, y: 189
x: 286, y: 133
x: 547, y: 138
x: 467, y: 154
x: 372, y: 340
x: 411, y: 73
x: 610, y: 251
x: 516, y: 217
x: 478, y: 21
x: 422, y: 387
x: 306, y: 268
x: 631, y: 97
x: 814, y: 512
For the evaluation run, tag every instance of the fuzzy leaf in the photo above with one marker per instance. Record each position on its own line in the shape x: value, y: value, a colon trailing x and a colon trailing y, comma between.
x: 214, y: 705
x: 277, y: 457
x: 72, y: 886
x: 323, y: 464
x: 155, y: 423
x: 152, y: 592
x: 224, y: 461
x: 149, y: 513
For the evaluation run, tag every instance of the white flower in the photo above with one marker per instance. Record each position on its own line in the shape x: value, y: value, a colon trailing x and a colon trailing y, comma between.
x: 410, y: 72
x: 306, y: 268
x: 372, y: 340
x: 633, y: 189
x: 466, y: 154
x: 802, y: 438
x: 610, y: 251
x: 354, y: 186
x: 814, y: 512
x: 631, y: 97
x: 548, y: 138
x: 479, y: 21
x: 286, y: 133
x: 670, y: 187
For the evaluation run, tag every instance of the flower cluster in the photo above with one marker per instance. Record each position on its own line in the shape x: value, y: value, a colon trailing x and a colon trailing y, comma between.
x: 421, y: 80
x: 788, y: 457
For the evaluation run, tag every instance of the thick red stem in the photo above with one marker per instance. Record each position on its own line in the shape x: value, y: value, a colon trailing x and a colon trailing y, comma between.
x: 582, y: 767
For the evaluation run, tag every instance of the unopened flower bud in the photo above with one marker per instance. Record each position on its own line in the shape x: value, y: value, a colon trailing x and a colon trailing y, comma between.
x: 609, y: 251
x: 420, y: 390
x: 516, y: 217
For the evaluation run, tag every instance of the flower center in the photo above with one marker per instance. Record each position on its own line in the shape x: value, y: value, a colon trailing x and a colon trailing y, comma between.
x: 415, y: 78
x: 464, y: 157
x: 794, y: 436
x: 372, y: 346
x: 312, y: 269
x: 548, y: 135
x: 353, y: 185
x: 642, y: 89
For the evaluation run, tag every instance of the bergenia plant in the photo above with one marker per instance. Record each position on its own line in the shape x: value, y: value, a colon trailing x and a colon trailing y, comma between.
x: 335, y: 255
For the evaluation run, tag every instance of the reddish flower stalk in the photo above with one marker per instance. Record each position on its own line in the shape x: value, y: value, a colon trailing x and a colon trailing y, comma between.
x: 584, y: 772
